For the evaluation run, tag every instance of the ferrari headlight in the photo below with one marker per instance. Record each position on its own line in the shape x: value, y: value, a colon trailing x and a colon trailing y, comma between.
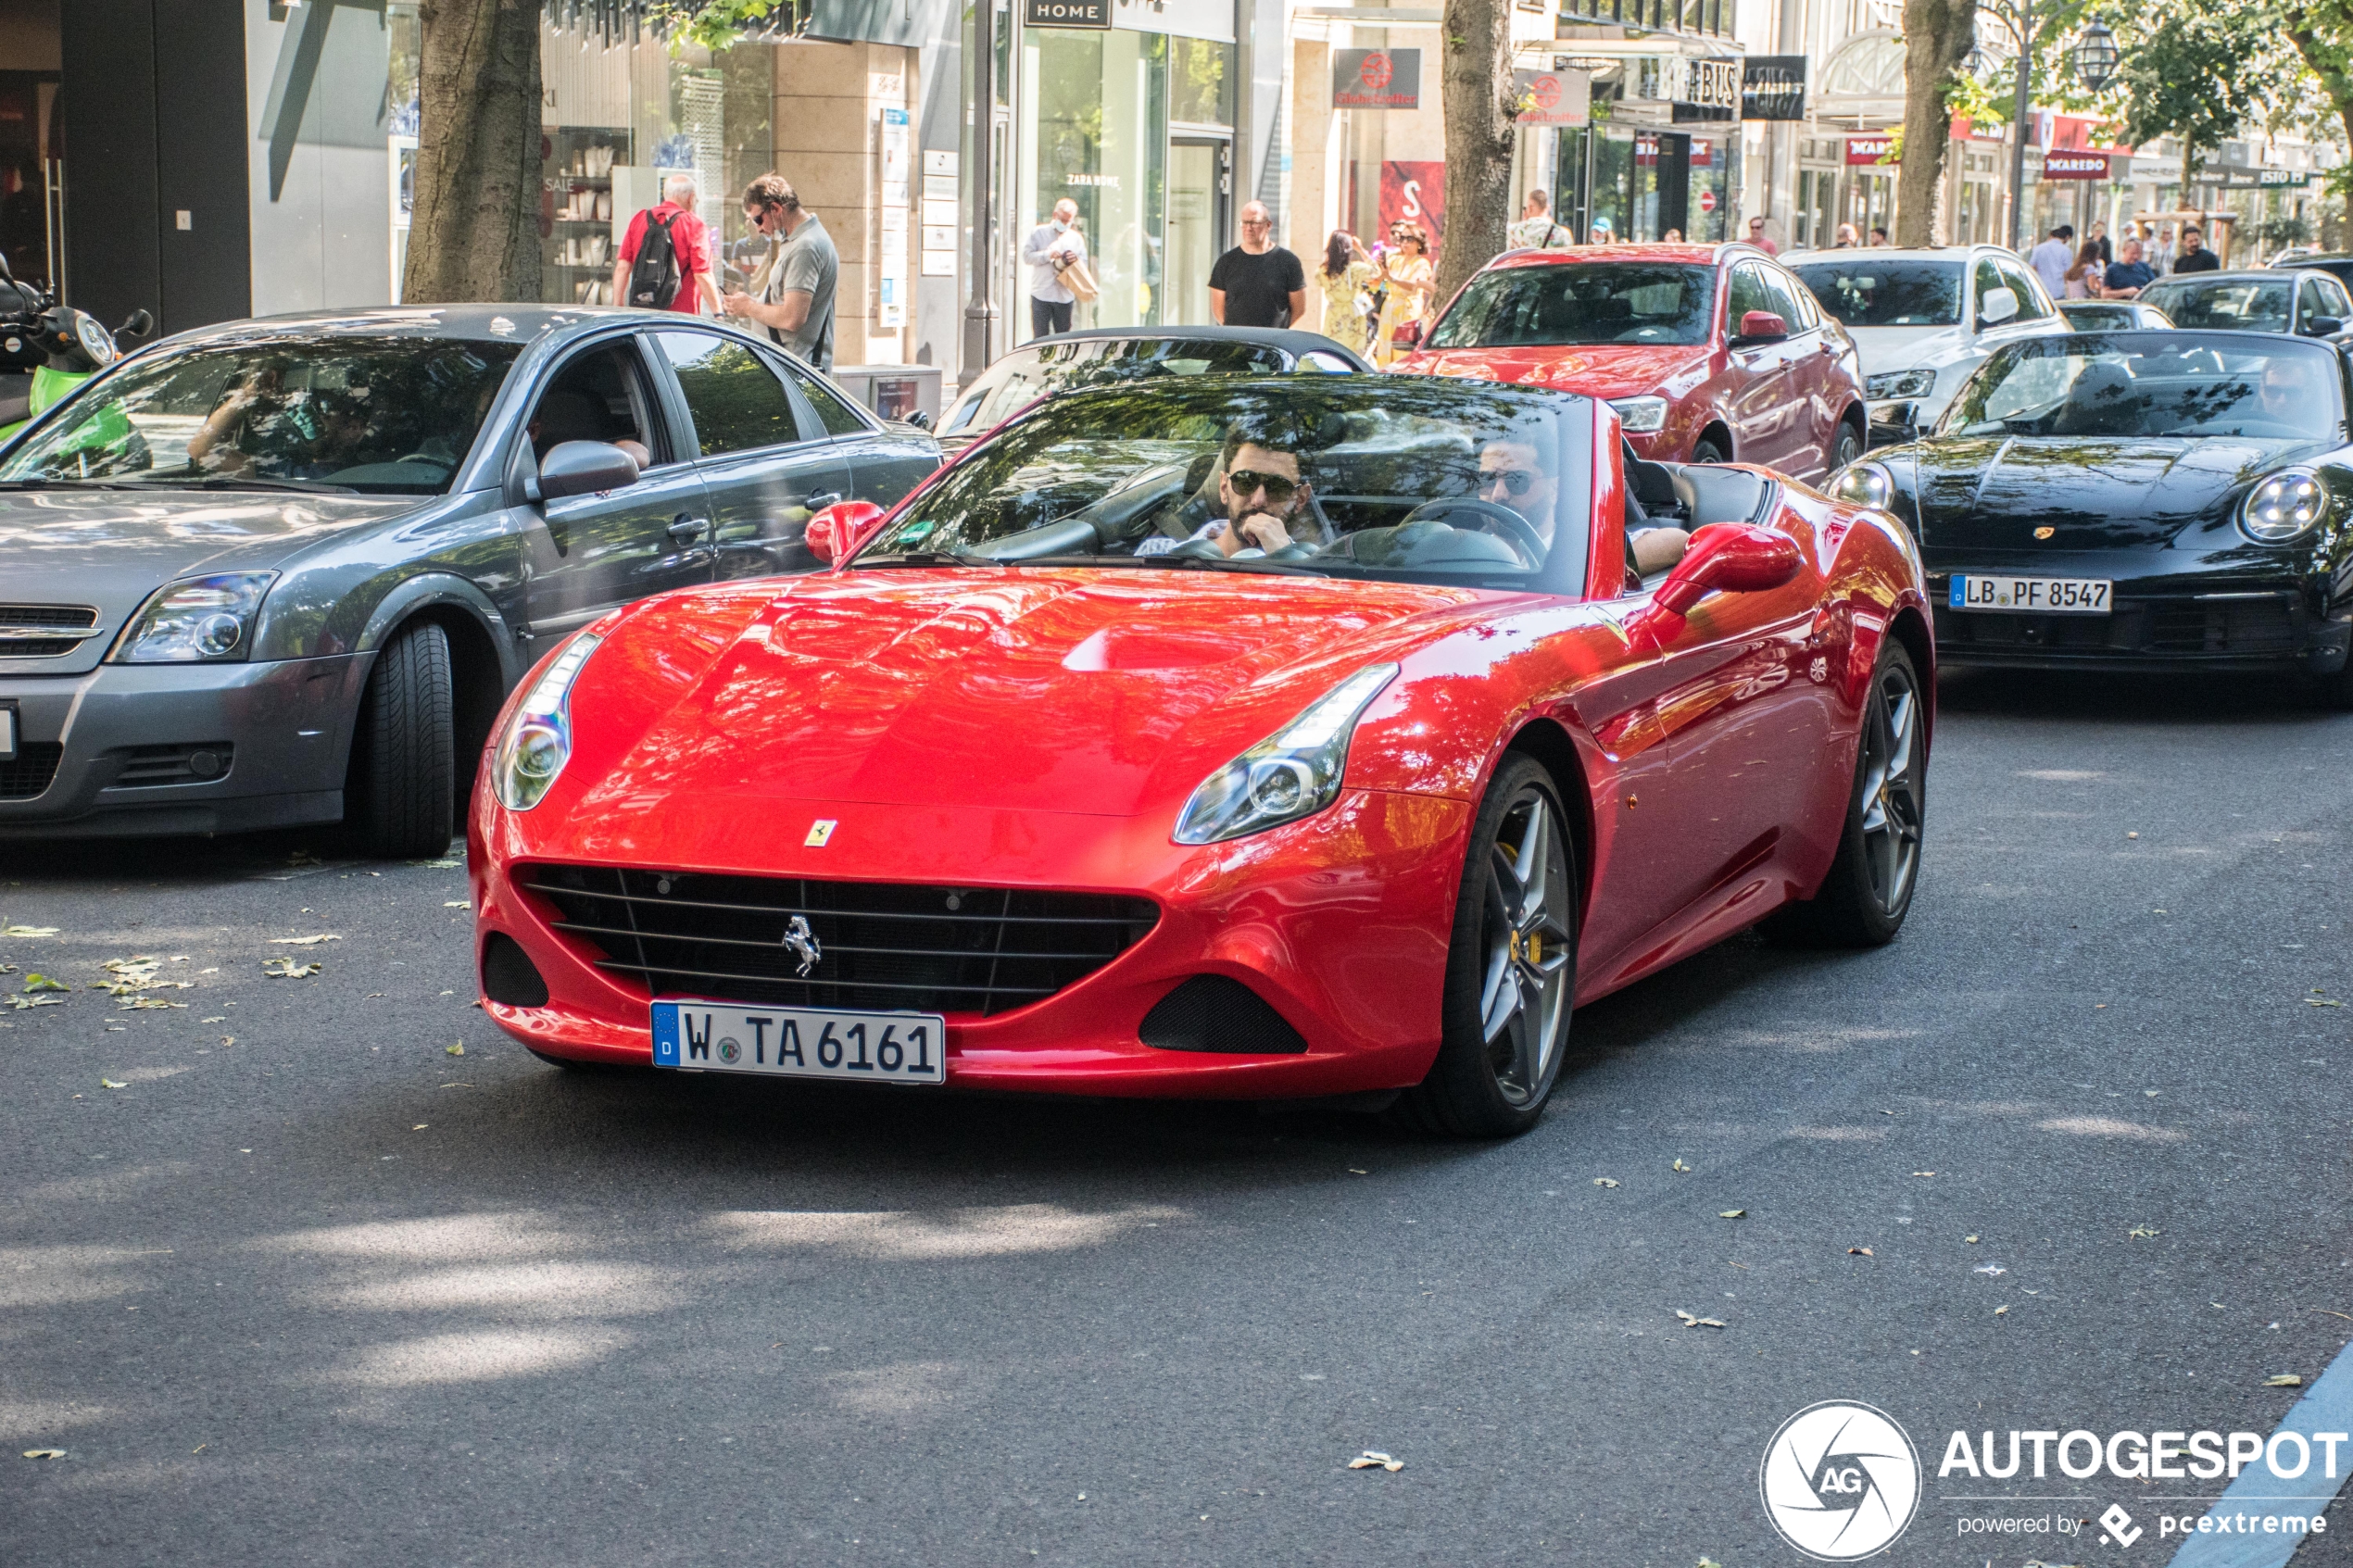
x: 1293, y: 772
x: 538, y: 739
x: 2284, y: 504
x: 1640, y: 415
x: 1866, y: 484
x: 197, y: 621
x: 1899, y: 383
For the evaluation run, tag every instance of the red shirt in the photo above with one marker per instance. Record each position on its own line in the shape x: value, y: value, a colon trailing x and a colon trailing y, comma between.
x: 690, y: 240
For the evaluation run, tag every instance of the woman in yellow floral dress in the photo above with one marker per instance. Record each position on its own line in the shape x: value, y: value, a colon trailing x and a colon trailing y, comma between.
x: 1345, y: 276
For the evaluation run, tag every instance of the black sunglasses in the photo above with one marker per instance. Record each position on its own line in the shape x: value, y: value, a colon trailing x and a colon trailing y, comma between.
x: 1518, y: 481
x: 1277, y: 488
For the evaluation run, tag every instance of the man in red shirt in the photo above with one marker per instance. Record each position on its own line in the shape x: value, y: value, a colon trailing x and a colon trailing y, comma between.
x: 689, y: 241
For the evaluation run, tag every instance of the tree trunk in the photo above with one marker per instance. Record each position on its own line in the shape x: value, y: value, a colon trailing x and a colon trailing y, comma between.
x: 1477, y: 98
x: 473, y: 235
x: 1937, y: 38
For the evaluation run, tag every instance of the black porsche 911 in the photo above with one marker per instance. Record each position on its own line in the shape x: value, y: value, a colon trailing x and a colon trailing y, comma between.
x: 2137, y: 500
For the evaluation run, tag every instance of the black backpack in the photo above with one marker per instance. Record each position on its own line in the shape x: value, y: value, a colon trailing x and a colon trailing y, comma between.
x: 653, y: 281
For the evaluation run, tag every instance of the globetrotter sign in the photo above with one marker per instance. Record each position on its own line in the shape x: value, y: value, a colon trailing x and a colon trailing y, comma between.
x: 2074, y: 166
x: 1377, y: 78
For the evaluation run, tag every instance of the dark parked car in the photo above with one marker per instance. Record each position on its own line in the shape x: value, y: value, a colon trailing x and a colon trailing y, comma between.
x: 1103, y: 355
x: 2137, y: 500
x: 2336, y: 264
x: 2302, y: 303
x: 283, y: 571
x: 2111, y: 315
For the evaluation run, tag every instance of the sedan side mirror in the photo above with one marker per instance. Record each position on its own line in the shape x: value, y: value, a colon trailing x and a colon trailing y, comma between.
x: 1762, y: 326
x: 581, y: 468
x: 920, y: 420
x: 836, y: 530
x: 1995, y: 307
x: 2321, y: 326
x: 1728, y: 558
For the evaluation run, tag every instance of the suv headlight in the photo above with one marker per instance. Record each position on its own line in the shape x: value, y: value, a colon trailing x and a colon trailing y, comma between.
x: 538, y: 739
x: 2283, y: 506
x: 1640, y: 415
x: 1866, y: 484
x: 197, y: 621
x: 1293, y: 772
x: 1899, y: 383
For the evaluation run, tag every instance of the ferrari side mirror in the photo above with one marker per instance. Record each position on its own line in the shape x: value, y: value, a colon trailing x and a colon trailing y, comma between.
x: 837, y: 530
x: 1728, y: 558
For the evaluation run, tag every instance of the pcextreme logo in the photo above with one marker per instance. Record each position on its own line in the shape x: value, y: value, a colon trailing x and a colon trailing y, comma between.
x: 1840, y: 1481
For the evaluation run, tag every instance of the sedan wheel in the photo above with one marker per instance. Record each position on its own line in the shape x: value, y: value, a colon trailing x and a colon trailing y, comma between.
x: 1847, y: 448
x: 401, y: 795
x: 1512, y: 974
x: 1869, y: 891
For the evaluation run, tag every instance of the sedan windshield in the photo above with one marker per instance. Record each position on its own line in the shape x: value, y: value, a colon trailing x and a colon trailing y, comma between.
x: 382, y: 416
x: 2154, y: 383
x: 1864, y: 292
x: 1583, y: 302
x: 1025, y: 375
x: 1458, y: 482
x: 2238, y: 304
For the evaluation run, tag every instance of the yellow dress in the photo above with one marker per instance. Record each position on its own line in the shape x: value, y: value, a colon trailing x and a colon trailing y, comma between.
x: 1409, y: 286
x: 1341, y: 322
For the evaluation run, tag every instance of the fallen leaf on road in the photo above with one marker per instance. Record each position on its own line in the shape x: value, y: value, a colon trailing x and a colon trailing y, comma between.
x: 1970, y: 1239
x: 27, y: 931
x: 420, y: 1126
x: 2323, y: 1002
x: 1679, y: 1165
x: 21, y: 1003
x: 1370, y: 1460
x: 457, y: 904
x: 457, y: 1050
x: 149, y: 1003
x: 1731, y: 1213
x: 43, y: 983
x: 110, y: 1084
x: 438, y: 865
x: 221, y: 1018
x: 1989, y: 1269
x: 303, y: 941
x: 1355, y: 1171
x: 1923, y: 1173
x: 2284, y: 1380
x: 1999, y: 1310
x: 2331, y: 1311
x: 44, y: 1453
x: 1604, y: 1182
x: 287, y: 969
x: 1691, y: 1321
x: 228, y: 1040
x: 2142, y: 1233
x: 1860, y: 1252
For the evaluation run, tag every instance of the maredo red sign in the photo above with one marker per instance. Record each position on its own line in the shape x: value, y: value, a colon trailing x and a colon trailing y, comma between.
x: 2074, y: 166
x: 1869, y: 149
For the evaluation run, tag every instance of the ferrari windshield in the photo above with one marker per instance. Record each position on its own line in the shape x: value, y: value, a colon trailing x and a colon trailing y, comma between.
x: 1351, y: 476
x: 382, y: 416
x: 1582, y: 302
x: 2154, y: 383
x: 2246, y: 305
x: 1027, y: 374
x: 1866, y: 292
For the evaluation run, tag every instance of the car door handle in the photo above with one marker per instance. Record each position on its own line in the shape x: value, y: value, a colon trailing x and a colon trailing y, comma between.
x: 686, y: 530
x: 822, y: 499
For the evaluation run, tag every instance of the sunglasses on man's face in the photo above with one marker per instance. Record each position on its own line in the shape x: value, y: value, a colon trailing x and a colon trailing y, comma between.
x: 1519, y: 481
x: 1246, y: 482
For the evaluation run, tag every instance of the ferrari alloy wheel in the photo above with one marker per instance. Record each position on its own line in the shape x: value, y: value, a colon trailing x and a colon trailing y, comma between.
x: 1869, y: 891
x: 1510, y: 976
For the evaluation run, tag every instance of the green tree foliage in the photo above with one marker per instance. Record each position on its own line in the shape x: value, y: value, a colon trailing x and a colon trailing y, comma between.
x: 2200, y: 73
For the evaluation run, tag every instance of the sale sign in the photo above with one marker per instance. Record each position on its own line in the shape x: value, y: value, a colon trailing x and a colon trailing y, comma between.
x: 1414, y: 192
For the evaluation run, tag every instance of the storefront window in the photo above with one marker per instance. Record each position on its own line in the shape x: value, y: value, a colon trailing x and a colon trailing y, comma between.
x: 1095, y: 131
x: 1201, y: 81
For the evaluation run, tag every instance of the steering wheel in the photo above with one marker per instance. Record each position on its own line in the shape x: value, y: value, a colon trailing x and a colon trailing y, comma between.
x: 429, y: 459
x: 1508, y: 524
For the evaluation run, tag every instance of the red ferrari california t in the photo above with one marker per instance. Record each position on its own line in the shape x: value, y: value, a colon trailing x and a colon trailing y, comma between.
x: 1258, y: 738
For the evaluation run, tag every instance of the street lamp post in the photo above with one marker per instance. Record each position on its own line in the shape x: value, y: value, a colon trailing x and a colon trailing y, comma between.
x: 2096, y: 56
x: 980, y: 310
x: 2018, y: 132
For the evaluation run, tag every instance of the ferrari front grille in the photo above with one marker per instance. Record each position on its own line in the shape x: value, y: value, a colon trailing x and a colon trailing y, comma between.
x: 876, y: 945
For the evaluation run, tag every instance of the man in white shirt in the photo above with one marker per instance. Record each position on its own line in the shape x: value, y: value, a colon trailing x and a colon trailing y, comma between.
x: 1536, y: 230
x: 2053, y: 258
x: 1052, y: 247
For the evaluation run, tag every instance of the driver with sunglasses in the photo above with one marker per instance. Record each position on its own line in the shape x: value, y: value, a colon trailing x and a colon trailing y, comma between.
x: 1266, y: 500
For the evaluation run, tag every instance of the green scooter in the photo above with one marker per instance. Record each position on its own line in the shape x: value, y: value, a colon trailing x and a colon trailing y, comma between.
x: 47, y: 350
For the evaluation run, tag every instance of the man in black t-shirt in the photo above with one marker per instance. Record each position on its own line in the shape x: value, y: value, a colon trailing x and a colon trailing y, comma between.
x: 2195, y: 256
x: 1257, y: 284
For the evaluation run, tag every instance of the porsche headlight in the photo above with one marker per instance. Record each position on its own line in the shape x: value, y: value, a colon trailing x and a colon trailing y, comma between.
x: 2283, y: 506
x: 1293, y: 772
x: 1899, y: 383
x: 538, y: 739
x: 197, y: 621
x: 1866, y: 484
x: 1639, y: 416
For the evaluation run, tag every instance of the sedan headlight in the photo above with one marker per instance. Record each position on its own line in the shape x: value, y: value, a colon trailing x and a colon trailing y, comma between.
x: 1866, y: 484
x: 1899, y: 383
x: 1640, y: 415
x: 1293, y: 772
x: 2284, y: 504
x: 538, y: 740
x: 197, y: 621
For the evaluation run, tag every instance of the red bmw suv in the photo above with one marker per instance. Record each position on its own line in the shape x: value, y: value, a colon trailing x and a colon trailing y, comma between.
x: 1710, y: 354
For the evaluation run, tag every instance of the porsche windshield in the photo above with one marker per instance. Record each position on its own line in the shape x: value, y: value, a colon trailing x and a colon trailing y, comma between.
x: 1866, y: 292
x: 382, y: 416
x: 1582, y: 302
x: 1421, y: 480
x: 2157, y: 384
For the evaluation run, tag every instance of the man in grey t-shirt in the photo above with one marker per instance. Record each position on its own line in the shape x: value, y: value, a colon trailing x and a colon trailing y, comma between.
x: 797, y: 306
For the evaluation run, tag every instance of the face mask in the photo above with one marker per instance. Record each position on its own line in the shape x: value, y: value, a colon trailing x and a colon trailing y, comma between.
x: 1061, y: 226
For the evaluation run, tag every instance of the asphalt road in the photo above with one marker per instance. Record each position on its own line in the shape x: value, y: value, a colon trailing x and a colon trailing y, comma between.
x: 306, y: 1288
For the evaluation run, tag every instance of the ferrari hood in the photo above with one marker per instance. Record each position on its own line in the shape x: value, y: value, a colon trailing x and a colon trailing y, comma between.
x: 1601, y: 370
x: 1995, y: 493
x: 1091, y: 691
